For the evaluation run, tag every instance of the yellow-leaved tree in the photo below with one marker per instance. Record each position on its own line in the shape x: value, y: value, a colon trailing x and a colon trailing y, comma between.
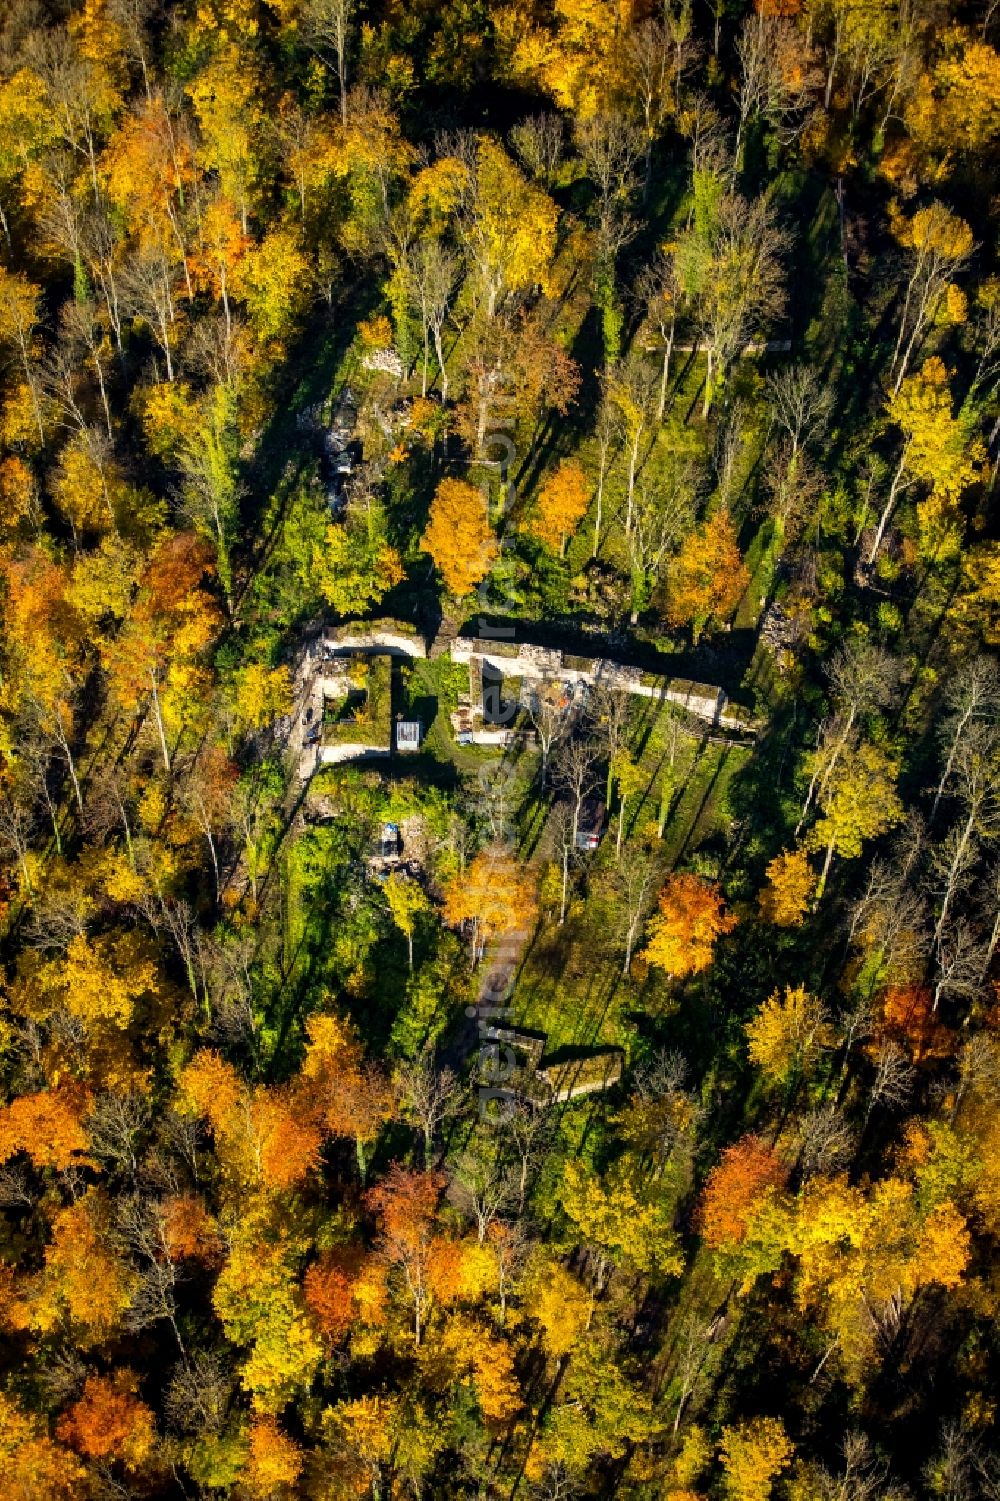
x: 493, y: 895
x: 614, y: 1214
x: 259, y: 1300
x: 788, y: 1034
x: 858, y: 802
x: 753, y: 1454
x: 940, y: 452
x: 459, y: 537
x: 562, y: 505
x: 510, y: 226
x: 791, y: 881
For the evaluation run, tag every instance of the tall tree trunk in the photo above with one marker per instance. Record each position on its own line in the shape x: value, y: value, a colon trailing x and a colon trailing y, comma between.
x: 159, y: 723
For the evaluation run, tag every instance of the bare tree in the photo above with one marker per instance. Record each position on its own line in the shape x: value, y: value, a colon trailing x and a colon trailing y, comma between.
x: 116, y: 1124
x: 971, y: 694
x: 611, y: 146
x: 493, y: 800
x: 546, y: 707
x: 106, y: 810
x: 326, y: 25
x: 737, y: 279
x: 54, y: 721
x: 605, y: 431
x: 824, y: 1141
x: 429, y: 1096
x: 557, y: 1484
x: 801, y: 403
x: 200, y: 1392
x: 15, y: 1189
x: 649, y: 54
x: 540, y: 142
x: 631, y: 390
x: 794, y: 486
x: 434, y: 271
x: 61, y: 911
x: 959, y: 967
x: 142, y: 1227
x: 60, y: 377
x: 609, y: 711
x: 35, y: 752
x: 974, y: 771
x: 675, y: 732
x: 663, y: 514
x: 978, y: 1072
x: 661, y: 296
x: 148, y: 296
x: 783, y: 95
x: 482, y: 1188
x: 951, y: 868
x: 635, y: 885
x: 685, y: 48
x: 527, y: 1130
x: 894, y: 1078
x: 174, y: 915
x: 862, y: 677
x: 666, y: 1123
x: 576, y: 775
x: 989, y: 911
x: 560, y: 832
x: 863, y: 1477
x: 134, y: 18
x: 510, y: 1246
x: 706, y: 129
x: 951, y: 1474
x: 86, y: 235
x: 204, y: 794
x: 697, y: 1354
x: 891, y: 918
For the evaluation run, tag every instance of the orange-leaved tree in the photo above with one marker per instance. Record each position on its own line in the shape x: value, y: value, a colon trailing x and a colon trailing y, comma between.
x: 189, y: 1232
x: 690, y: 916
x: 707, y: 578
x: 348, y: 1097
x: 459, y: 537
x: 405, y: 1203
x: 735, y: 1189
x: 108, y: 1421
x: 48, y: 1125
x: 908, y: 1017
x: 263, y: 1138
x: 34, y: 1467
x: 84, y: 1284
x: 172, y: 621
x: 276, y: 1460
x: 329, y: 1287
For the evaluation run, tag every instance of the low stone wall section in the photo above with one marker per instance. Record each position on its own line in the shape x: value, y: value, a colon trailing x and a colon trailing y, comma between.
x: 704, y: 700
x: 330, y: 755
x: 383, y: 637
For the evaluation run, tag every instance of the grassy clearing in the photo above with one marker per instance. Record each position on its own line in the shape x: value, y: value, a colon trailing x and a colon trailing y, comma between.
x: 571, y: 985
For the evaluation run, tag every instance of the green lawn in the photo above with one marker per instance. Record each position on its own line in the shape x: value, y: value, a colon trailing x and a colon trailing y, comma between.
x: 571, y: 985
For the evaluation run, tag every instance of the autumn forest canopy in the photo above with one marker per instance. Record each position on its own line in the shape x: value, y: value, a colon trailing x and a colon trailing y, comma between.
x: 499, y: 750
